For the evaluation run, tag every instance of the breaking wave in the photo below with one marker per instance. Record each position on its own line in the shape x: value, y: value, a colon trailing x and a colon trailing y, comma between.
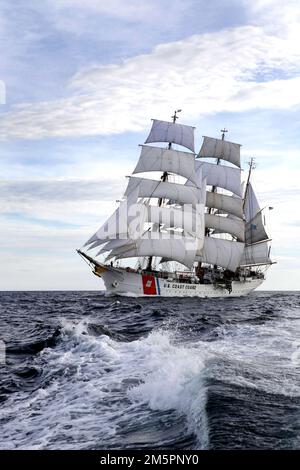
x: 148, y: 374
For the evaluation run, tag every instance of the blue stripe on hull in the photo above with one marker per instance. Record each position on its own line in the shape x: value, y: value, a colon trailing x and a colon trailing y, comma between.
x: 157, y: 286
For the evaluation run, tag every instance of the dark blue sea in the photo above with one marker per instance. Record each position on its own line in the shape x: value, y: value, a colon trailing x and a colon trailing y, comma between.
x: 87, y: 371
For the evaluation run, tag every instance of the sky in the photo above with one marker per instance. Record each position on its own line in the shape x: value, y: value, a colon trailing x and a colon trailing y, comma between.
x: 79, y: 84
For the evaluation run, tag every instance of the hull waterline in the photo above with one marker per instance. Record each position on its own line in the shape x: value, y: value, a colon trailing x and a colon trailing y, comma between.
x: 121, y: 282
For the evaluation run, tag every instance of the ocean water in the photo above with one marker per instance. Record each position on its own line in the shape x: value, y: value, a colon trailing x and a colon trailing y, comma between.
x: 88, y: 371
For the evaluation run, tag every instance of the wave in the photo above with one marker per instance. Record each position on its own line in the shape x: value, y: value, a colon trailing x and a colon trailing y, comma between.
x: 97, y: 381
x: 101, y: 389
x: 35, y: 345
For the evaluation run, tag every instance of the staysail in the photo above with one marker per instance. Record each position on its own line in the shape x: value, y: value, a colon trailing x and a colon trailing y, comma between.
x: 255, y: 229
x: 255, y: 223
x: 251, y: 206
x: 114, y: 244
x: 116, y: 226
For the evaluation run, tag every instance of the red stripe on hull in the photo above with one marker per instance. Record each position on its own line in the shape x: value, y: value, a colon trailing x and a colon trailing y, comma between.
x: 149, y: 286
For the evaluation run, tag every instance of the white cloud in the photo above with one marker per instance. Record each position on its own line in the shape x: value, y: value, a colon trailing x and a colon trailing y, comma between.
x: 239, y: 69
x: 274, y: 14
x: 203, y: 74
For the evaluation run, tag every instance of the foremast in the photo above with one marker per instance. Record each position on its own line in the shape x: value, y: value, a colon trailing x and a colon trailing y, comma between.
x: 134, y: 240
x: 164, y: 178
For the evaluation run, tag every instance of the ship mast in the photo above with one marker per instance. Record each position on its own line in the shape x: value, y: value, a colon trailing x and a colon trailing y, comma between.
x: 251, y: 167
x: 164, y: 178
x: 214, y: 188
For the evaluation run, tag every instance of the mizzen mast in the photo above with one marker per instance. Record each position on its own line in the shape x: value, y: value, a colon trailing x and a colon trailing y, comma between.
x: 251, y: 167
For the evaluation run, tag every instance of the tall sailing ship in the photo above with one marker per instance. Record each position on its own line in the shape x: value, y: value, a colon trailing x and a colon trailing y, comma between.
x: 194, y: 230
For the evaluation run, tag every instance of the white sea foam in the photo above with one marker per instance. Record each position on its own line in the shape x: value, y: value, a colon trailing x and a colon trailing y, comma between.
x: 94, y: 386
x: 173, y: 379
x: 86, y: 401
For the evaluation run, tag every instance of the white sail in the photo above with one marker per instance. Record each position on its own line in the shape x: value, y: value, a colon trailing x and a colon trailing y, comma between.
x: 120, y: 251
x: 223, y: 253
x: 117, y: 225
x: 251, y: 206
x: 173, y: 161
x: 95, y: 243
x: 161, y: 189
x: 219, y: 175
x: 255, y: 230
x: 230, y: 204
x: 109, y: 230
x: 256, y: 254
x: 163, y: 131
x: 234, y: 226
x: 183, y: 250
x: 114, y: 244
x: 218, y: 148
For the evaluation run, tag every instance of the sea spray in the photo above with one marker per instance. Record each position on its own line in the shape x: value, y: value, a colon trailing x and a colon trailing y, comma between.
x: 174, y: 379
x: 149, y: 373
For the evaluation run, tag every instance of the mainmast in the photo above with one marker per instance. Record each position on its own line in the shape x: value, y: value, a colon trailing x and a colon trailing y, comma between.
x: 214, y: 188
x: 164, y: 178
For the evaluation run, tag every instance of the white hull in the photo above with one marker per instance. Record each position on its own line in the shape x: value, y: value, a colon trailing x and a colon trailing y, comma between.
x: 121, y: 282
